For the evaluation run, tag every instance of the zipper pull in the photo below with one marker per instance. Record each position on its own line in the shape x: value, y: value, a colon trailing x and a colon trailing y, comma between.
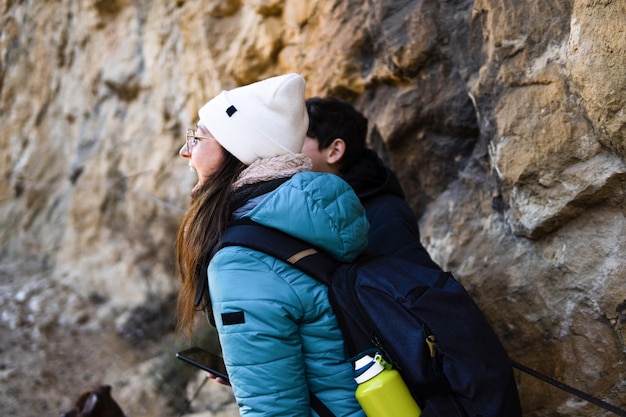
x: 432, y: 345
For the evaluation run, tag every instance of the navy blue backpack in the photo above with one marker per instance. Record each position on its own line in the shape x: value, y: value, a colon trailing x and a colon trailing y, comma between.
x: 421, y: 319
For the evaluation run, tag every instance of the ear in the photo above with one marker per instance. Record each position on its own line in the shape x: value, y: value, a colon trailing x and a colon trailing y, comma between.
x: 335, y: 151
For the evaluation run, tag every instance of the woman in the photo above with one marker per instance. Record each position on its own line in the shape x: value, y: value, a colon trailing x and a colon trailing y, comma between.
x: 279, y: 336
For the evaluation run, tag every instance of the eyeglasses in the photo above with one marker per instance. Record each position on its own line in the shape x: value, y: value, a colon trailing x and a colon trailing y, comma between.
x: 191, y: 138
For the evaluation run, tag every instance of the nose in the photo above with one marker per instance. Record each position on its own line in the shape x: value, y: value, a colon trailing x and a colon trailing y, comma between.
x: 184, y: 152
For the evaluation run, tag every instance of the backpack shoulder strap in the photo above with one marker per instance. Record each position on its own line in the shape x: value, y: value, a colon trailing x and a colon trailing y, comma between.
x: 304, y: 256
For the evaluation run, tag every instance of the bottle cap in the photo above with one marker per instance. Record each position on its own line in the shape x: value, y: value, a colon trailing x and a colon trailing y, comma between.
x: 366, y: 368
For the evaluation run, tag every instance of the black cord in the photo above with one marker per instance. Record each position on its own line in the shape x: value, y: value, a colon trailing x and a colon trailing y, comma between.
x: 571, y: 390
x: 195, y: 394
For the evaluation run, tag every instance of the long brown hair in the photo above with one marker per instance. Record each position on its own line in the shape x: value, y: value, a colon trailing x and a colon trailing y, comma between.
x: 200, y: 229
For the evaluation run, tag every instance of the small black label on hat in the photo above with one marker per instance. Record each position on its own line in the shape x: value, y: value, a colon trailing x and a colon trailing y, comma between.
x: 231, y: 110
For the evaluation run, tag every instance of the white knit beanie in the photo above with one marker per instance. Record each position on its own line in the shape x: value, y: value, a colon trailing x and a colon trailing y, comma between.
x: 263, y: 119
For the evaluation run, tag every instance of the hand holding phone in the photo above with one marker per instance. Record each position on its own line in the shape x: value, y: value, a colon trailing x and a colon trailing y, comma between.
x: 207, y: 361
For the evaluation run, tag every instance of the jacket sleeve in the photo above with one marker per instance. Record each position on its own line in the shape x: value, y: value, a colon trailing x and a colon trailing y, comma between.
x: 256, y: 314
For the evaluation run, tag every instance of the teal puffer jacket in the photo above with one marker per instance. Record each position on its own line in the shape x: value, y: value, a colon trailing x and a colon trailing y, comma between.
x: 278, y: 333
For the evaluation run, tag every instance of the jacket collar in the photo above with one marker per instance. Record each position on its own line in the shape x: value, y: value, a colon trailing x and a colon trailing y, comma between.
x: 266, y: 169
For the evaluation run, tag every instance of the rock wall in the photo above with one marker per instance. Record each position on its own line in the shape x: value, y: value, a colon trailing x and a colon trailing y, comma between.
x: 504, y: 120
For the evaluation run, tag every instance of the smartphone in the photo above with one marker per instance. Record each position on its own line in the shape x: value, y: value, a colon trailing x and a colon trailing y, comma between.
x: 204, y: 360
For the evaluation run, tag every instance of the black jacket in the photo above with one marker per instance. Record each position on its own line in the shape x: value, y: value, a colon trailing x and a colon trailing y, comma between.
x: 393, y: 225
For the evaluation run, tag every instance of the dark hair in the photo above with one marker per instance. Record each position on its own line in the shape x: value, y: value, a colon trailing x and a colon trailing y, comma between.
x: 332, y: 118
x: 201, y: 227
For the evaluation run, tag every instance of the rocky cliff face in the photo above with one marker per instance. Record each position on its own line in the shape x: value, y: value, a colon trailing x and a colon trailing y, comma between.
x: 503, y: 119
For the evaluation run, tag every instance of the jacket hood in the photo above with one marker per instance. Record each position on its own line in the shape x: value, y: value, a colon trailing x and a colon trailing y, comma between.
x: 370, y: 177
x: 319, y: 208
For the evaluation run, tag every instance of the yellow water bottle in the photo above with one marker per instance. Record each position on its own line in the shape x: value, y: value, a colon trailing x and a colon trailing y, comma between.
x: 381, y: 390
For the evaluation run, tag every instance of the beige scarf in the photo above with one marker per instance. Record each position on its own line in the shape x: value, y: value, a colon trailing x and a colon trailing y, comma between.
x: 280, y: 166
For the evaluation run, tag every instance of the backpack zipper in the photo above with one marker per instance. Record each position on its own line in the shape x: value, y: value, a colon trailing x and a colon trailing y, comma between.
x: 431, y: 341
